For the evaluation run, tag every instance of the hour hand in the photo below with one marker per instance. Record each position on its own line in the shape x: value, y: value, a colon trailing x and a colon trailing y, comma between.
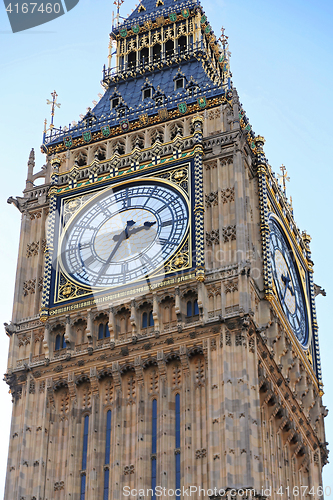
x: 147, y: 225
x: 125, y: 233
x: 286, y: 280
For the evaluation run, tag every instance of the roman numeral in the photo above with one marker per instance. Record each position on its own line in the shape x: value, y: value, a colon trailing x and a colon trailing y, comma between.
x: 164, y: 241
x: 82, y: 246
x: 89, y: 260
x: 166, y: 223
x: 77, y: 270
x: 144, y: 258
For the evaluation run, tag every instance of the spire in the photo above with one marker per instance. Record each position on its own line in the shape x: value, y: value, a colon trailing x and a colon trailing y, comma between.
x: 31, y: 166
x: 283, y: 178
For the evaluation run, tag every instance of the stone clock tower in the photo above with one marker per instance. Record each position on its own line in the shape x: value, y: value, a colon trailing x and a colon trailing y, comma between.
x: 164, y: 330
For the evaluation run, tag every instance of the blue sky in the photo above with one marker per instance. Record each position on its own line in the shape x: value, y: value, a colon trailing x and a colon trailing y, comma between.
x: 282, y: 68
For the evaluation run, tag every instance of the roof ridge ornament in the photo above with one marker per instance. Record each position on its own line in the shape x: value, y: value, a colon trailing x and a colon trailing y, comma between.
x: 118, y: 4
x: 283, y: 177
x: 224, y: 58
x: 54, y: 104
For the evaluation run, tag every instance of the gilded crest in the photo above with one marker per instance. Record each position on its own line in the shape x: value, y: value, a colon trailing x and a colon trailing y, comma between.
x: 86, y: 136
x: 68, y: 141
x: 182, y: 107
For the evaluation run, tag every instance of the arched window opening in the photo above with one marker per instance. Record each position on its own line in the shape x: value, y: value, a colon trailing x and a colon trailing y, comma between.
x: 100, y: 154
x: 120, y: 148
x: 154, y: 448
x: 57, y: 342
x: 151, y: 319
x: 157, y: 52
x: 177, y: 129
x: 147, y: 319
x: 114, y: 102
x: 192, y: 307
x: 169, y: 48
x: 84, y: 457
x: 81, y: 159
x: 179, y: 83
x: 107, y: 456
x: 189, y: 308
x: 182, y: 44
x: 60, y: 342
x: 131, y: 59
x: 147, y: 93
x: 100, y: 331
x: 103, y: 331
x: 177, y: 442
x: 144, y: 320
x: 144, y: 55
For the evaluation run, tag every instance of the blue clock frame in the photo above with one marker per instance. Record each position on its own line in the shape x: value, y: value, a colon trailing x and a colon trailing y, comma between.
x: 161, y: 175
x: 288, y: 282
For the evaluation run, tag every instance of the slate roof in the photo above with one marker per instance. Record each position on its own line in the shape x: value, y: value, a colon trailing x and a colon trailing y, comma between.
x: 130, y: 91
x: 162, y: 80
x: 152, y: 11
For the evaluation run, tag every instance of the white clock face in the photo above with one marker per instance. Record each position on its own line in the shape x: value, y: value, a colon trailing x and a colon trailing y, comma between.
x: 288, y: 283
x: 124, y: 234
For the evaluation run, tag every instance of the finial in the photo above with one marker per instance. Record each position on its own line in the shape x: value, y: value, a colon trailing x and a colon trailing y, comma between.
x: 223, y: 38
x: 259, y: 141
x: 306, y: 238
x: 283, y: 177
x: 55, y: 162
x: 31, y: 165
x: 118, y: 3
x: 54, y: 104
x: 31, y: 160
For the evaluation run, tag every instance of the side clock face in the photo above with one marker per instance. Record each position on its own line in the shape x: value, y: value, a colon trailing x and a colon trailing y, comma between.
x: 288, y: 283
x: 124, y: 234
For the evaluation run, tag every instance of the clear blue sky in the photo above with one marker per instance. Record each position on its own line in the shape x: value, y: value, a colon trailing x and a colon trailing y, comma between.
x: 282, y: 67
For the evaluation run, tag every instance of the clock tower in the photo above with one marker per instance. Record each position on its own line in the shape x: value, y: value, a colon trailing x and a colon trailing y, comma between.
x: 164, y: 334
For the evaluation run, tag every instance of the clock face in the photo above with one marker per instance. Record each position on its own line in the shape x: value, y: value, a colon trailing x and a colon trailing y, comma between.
x: 288, y: 283
x: 124, y: 234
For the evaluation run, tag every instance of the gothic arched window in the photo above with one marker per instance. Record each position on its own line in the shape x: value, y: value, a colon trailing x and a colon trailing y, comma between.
x: 177, y: 442
x: 144, y: 55
x: 192, y: 308
x: 103, y: 331
x: 144, y: 320
x: 182, y: 43
x: 157, y: 52
x: 169, y: 48
x: 107, y: 455
x: 153, y: 448
x: 132, y: 59
x: 84, y: 457
x: 60, y: 342
x: 147, y: 319
x: 150, y: 319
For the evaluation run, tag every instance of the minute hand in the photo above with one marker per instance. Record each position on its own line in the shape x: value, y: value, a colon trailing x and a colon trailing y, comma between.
x: 146, y: 226
x: 121, y: 238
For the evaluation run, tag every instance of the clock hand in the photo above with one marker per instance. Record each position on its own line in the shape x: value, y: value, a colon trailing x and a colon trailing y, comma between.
x: 121, y: 237
x: 146, y: 225
x: 286, y: 280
